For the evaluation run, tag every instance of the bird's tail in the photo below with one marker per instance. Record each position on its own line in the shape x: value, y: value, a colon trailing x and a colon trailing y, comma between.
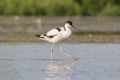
x: 37, y: 36
x: 40, y: 37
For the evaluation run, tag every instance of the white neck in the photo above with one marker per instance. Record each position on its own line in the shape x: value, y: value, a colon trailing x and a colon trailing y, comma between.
x: 67, y: 30
x: 67, y: 26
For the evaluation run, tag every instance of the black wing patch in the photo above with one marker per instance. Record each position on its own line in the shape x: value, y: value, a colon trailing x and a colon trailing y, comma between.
x: 49, y: 36
x: 58, y: 29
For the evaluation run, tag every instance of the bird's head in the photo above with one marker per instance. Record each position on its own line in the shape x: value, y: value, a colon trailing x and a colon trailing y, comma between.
x: 70, y: 24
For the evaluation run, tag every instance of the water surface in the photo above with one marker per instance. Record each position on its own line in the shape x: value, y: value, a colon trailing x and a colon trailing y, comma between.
x: 31, y: 61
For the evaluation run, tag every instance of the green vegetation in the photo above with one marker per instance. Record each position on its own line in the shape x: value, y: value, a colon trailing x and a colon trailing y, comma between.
x: 60, y: 7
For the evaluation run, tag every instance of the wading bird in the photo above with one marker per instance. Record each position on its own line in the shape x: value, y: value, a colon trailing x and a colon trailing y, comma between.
x: 57, y: 35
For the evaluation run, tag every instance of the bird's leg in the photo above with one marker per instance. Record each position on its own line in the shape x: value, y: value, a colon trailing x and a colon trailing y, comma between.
x: 68, y: 55
x: 52, y: 51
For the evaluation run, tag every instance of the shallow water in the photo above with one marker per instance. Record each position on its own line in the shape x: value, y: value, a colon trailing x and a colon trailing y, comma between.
x: 31, y: 61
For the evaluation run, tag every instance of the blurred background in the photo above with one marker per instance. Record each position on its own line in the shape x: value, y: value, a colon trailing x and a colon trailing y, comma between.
x: 97, y: 45
x: 20, y: 20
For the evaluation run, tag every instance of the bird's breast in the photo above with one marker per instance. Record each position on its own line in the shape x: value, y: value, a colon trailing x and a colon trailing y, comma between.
x: 67, y: 33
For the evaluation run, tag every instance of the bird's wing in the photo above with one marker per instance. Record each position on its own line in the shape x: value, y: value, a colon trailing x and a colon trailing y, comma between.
x: 53, y: 32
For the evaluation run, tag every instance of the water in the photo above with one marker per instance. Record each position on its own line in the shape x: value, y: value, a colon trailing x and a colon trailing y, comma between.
x: 31, y: 61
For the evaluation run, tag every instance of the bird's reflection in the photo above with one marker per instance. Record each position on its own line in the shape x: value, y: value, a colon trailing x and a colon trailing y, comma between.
x: 58, y: 72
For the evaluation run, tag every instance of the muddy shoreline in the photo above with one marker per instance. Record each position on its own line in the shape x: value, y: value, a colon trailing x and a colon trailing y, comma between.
x: 73, y: 38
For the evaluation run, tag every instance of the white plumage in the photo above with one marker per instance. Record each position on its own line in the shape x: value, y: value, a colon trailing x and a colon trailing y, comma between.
x: 57, y: 35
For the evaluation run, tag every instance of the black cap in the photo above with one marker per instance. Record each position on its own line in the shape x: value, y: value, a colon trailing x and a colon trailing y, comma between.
x: 69, y: 22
